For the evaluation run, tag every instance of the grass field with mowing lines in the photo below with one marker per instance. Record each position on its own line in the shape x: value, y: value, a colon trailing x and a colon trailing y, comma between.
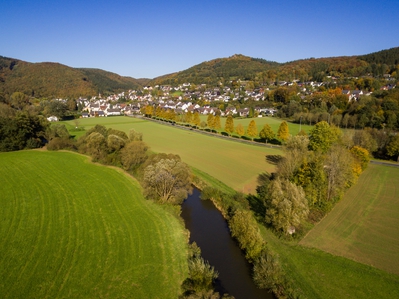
x: 318, y: 274
x: 233, y: 163
x: 364, y: 226
x: 73, y: 229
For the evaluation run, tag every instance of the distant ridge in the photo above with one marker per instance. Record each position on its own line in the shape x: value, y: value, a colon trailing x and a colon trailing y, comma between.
x: 49, y: 79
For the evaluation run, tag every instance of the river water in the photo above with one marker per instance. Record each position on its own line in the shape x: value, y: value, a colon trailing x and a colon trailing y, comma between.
x: 209, y: 230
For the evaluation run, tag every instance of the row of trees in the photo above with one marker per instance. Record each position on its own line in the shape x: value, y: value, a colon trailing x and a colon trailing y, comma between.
x: 213, y: 123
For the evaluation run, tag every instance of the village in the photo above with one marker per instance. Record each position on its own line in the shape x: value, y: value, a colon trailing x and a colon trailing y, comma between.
x: 188, y: 97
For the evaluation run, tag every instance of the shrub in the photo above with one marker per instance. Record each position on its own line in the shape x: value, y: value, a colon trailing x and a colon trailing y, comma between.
x: 59, y: 143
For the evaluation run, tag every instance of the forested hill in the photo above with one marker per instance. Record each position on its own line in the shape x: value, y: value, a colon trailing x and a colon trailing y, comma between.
x: 51, y: 80
x: 262, y: 71
x: 219, y: 70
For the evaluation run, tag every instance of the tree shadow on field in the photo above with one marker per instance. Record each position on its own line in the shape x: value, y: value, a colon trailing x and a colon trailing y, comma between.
x: 273, y: 159
x: 257, y: 206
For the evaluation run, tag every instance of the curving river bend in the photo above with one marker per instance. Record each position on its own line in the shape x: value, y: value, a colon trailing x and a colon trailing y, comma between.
x: 209, y: 230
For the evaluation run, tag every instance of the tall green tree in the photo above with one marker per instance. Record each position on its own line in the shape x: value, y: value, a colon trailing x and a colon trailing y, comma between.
x: 286, y: 206
x: 229, y: 125
x: 283, y: 131
x: 267, y: 133
x: 322, y: 136
x: 393, y: 147
x: 252, y: 130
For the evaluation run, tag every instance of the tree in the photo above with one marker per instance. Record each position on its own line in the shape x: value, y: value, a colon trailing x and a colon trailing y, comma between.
x: 252, y: 130
x: 393, y: 146
x: 283, y: 131
x: 56, y: 130
x: 134, y: 154
x: 266, y: 133
x: 286, y: 206
x: 56, y: 108
x: 135, y: 136
x: 201, y: 276
x: 216, y: 122
x: 245, y: 229
x: 167, y: 180
x: 229, y: 125
x: 240, y: 129
x: 196, y: 119
x: 362, y: 155
x: 322, y: 136
x: 19, y: 100
x: 210, y: 121
x: 338, y: 167
x: 296, y: 148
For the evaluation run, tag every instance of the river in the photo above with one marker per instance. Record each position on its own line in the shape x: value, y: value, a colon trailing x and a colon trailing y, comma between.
x: 209, y: 230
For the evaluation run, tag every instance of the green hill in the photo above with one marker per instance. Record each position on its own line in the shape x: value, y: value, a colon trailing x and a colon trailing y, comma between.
x: 263, y: 71
x: 49, y: 79
x: 221, y: 69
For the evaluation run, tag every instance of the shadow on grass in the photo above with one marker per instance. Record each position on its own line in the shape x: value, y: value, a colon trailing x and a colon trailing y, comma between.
x: 273, y: 159
x: 257, y: 206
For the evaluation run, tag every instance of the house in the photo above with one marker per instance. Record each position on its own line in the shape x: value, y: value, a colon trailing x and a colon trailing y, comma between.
x: 113, y: 111
x: 52, y: 118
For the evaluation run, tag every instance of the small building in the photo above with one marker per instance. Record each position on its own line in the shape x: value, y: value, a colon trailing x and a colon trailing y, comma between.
x: 52, y: 118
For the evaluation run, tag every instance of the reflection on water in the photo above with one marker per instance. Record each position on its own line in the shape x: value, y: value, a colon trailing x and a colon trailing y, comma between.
x: 210, y: 231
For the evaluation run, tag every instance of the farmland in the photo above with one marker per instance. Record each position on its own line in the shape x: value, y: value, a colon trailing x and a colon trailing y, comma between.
x: 233, y: 163
x: 70, y: 228
x: 364, y: 226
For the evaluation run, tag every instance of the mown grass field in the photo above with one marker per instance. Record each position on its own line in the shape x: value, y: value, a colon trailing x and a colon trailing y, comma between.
x: 318, y: 274
x: 73, y: 229
x: 233, y: 163
x: 364, y: 226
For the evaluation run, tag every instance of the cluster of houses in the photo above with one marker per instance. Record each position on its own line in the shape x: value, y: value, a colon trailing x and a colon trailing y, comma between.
x: 184, y: 98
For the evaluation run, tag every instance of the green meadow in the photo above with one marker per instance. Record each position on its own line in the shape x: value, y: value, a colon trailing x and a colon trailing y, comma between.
x: 364, y: 226
x: 233, y: 163
x: 319, y: 274
x: 71, y: 228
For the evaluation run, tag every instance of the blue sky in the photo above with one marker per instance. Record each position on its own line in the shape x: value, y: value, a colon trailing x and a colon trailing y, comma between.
x: 146, y: 39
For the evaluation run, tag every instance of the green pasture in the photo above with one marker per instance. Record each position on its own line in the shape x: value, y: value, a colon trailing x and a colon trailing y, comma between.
x: 364, y: 226
x: 73, y: 229
x: 233, y: 163
x: 318, y: 274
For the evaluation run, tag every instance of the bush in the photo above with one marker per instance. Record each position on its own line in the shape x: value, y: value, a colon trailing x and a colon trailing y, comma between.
x: 59, y: 143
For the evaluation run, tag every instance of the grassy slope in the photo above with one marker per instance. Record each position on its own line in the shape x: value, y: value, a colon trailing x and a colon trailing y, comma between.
x: 364, y: 226
x: 233, y: 163
x: 75, y: 229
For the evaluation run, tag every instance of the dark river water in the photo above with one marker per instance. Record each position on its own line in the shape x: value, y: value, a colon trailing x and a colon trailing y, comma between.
x: 209, y: 230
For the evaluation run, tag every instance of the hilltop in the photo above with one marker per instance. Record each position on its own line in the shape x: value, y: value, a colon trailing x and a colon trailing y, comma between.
x: 48, y: 79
